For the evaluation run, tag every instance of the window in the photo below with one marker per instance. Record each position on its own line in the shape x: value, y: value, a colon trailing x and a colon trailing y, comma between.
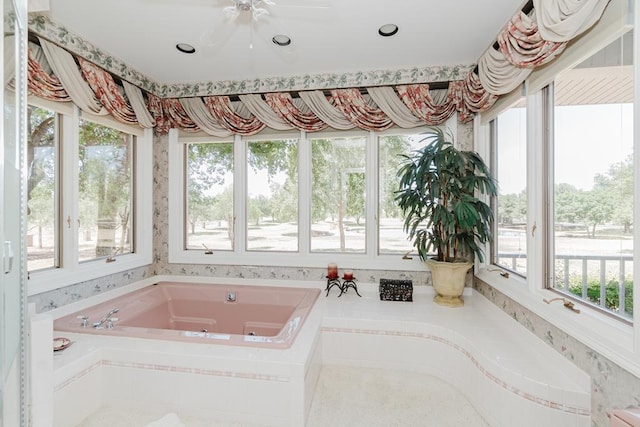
x: 42, y: 189
x: 272, y: 190
x: 338, y: 219
x: 209, y: 203
x: 105, y: 159
x: 89, y: 198
x: 592, y: 240
x: 392, y: 238
x: 509, y: 134
x: 318, y: 198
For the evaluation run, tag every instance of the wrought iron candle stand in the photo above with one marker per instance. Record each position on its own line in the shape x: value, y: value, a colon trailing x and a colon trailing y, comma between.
x: 331, y: 282
x: 349, y: 283
x: 343, y: 286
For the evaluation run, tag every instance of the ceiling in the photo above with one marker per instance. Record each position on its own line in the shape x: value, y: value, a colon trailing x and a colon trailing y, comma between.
x: 328, y: 36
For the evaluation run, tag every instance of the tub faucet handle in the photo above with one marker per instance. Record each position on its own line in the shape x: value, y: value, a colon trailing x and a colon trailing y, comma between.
x: 106, y: 319
x: 84, y: 321
x: 231, y: 297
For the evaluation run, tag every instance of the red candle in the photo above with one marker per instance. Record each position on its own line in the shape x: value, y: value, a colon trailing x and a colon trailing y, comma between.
x: 348, y: 275
x: 332, y: 271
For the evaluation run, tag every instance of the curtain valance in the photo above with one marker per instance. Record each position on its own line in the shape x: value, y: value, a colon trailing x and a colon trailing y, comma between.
x: 526, y: 41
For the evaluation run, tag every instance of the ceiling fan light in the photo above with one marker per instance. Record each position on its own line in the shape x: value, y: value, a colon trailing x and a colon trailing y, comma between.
x: 185, y: 48
x: 244, y: 5
x: 388, y: 30
x: 281, y: 40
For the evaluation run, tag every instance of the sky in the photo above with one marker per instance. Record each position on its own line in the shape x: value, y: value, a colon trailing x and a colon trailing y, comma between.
x: 588, y: 139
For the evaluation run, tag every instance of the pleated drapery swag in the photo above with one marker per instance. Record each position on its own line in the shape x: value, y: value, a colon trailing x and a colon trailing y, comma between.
x: 222, y: 109
x: 107, y: 92
x: 523, y: 46
x: 44, y: 85
x: 528, y: 41
x: 525, y: 42
x: 298, y: 116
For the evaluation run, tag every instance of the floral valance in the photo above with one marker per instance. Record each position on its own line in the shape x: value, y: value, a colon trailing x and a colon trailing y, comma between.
x: 530, y: 40
x: 527, y: 41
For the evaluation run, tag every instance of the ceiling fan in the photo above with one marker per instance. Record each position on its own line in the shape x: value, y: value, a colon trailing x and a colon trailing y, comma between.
x: 248, y: 6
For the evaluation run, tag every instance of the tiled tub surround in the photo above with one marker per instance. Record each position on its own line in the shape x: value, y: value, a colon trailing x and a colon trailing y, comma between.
x: 263, y: 316
x: 227, y: 382
x: 508, y: 374
x: 612, y: 387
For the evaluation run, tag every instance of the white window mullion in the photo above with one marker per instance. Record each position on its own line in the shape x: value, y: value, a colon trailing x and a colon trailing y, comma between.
x: 240, y: 192
x: 483, y: 146
x: 371, y: 196
x: 69, y: 197
x: 304, y: 194
x: 636, y: 178
x: 537, y: 227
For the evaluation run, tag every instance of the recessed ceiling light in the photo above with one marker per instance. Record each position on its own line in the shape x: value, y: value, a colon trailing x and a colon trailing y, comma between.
x: 185, y: 48
x: 281, y: 40
x: 388, y: 30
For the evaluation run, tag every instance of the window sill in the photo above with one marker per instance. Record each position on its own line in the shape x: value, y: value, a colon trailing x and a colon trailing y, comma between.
x: 296, y: 259
x: 611, y: 338
x: 48, y: 280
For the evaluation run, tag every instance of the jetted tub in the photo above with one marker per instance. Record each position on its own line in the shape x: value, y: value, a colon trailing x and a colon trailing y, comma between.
x: 264, y: 316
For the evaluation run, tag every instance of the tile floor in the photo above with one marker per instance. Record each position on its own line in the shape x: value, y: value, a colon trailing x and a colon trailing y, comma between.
x: 352, y: 397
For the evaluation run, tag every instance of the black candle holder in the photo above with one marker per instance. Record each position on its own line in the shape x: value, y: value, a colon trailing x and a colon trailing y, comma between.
x: 350, y: 283
x: 331, y: 282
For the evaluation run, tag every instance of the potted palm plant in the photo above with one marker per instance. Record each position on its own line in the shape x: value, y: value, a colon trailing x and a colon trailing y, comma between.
x: 445, y: 220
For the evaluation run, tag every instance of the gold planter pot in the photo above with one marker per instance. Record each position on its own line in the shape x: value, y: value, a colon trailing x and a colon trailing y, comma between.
x: 448, y: 281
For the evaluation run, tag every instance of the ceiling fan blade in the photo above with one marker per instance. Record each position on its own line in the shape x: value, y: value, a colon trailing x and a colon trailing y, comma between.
x: 303, y: 4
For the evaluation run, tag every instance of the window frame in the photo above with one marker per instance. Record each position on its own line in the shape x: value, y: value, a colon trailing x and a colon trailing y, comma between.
x: 493, y: 130
x: 615, y: 339
x: 256, y: 139
x: 71, y: 271
x: 304, y: 257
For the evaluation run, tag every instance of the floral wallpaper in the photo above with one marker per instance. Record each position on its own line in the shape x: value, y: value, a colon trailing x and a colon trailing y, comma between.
x: 464, y: 138
x: 611, y: 386
x: 58, y: 297
x: 41, y: 25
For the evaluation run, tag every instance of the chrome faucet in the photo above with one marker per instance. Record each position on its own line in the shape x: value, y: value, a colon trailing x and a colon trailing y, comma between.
x: 107, y: 320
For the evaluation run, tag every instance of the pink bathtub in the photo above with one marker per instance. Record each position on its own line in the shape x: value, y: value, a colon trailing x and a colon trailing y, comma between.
x: 262, y: 316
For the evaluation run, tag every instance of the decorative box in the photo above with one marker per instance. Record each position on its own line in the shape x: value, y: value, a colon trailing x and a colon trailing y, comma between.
x: 396, y: 290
